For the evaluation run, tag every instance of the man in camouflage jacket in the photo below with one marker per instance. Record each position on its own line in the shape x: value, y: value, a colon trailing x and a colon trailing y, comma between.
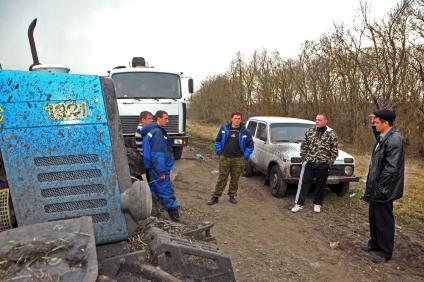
x: 318, y: 152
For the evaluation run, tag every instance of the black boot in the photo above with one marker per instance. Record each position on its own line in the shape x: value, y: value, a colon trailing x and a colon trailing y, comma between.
x: 233, y: 200
x: 174, y: 215
x: 213, y: 201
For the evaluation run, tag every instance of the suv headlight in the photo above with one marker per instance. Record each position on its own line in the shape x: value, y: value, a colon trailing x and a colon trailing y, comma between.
x: 348, y: 160
x: 296, y: 160
x: 348, y: 170
x: 295, y: 170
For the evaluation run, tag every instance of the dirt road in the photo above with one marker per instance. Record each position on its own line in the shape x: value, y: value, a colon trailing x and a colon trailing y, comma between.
x: 267, y: 242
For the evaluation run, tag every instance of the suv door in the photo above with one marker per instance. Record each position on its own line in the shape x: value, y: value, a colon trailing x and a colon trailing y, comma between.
x: 251, y: 126
x: 261, y: 139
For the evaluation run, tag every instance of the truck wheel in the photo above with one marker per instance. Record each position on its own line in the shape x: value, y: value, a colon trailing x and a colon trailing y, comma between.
x: 276, y: 183
x: 340, y: 189
x: 178, y: 152
x: 248, y: 169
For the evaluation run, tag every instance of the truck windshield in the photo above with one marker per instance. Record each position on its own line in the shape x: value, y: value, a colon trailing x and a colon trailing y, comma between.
x: 288, y: 132
x: 147, y: 85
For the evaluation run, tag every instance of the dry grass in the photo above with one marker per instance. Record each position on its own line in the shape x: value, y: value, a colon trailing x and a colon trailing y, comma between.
x: 410, y: 208
x: 202, y: 130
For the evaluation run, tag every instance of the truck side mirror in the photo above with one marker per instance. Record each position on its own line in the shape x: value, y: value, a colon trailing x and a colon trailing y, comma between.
x: 190, y: 86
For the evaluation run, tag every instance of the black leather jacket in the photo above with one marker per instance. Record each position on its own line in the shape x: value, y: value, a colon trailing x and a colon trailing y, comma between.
x: 386, y: 172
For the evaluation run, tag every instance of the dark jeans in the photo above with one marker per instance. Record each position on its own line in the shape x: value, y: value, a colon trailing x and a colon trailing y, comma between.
x: 228, y: 166
x: 382, y: 227
x: 309, y: 171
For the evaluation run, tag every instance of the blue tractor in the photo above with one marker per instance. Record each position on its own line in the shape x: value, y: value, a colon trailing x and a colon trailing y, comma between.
x: 62, y: 151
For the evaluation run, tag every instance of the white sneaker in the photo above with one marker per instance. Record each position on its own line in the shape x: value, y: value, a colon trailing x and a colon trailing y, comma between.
x: 296, y: 208
x: 317, y: 208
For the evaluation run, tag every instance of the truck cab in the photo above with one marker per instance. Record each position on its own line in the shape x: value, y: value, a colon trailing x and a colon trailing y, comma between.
x: 142, y: 88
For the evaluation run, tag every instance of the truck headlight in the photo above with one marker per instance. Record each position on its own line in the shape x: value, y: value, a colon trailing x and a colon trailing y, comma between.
x: 348, y: 170
x: 295, y: 170
x: 178, y: 141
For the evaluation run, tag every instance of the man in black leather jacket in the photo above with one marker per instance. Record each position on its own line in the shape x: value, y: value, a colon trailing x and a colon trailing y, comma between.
x: 384, y: 185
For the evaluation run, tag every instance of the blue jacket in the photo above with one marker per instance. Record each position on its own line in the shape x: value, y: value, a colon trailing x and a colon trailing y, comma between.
x: 157, y: 150
x: 244, y: 138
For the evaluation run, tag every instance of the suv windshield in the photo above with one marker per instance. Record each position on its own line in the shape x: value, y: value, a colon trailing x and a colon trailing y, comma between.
x: 147, y: 85
x: 288, y: 132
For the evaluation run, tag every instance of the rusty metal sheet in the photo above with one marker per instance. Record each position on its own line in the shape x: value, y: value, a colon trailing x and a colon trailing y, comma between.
x: 52, y: 251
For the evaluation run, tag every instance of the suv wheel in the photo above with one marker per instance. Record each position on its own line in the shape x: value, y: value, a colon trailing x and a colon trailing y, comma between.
x: 276, y: 183
x: 248, y: 169
x: 340, y: 189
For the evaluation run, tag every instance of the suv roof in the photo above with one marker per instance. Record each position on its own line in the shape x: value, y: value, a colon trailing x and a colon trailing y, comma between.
x: 276, y: 119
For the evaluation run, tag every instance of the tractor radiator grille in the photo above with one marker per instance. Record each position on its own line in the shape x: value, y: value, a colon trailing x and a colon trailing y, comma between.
x: 96, y: 218
x: 66, y: 160
x: 77, y: 205
x: 75, y: 199
x: 72, y: 190
x: 102, y: 217
x: 129, y: 124
x: 68, y: 175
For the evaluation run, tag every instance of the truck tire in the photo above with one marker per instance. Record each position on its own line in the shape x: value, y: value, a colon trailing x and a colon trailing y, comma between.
x: 248, y: 169
x: 340, y: 189
x: 178, y: 152
x: 276, y: 183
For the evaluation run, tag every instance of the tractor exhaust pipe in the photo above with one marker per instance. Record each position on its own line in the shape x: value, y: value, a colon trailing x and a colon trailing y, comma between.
x: 32, y: 44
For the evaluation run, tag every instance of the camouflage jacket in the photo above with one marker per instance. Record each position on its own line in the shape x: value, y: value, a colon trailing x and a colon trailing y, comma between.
x: 319, y: 149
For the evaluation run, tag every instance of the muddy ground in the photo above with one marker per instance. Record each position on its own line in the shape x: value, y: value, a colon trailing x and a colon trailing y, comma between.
x: 266, y: 242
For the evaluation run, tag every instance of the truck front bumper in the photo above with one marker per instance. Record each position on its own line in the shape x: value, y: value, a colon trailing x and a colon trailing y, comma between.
x: 178, y: 140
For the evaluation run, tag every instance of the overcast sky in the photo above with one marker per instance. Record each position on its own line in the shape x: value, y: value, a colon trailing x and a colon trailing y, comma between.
x: 198, y: 37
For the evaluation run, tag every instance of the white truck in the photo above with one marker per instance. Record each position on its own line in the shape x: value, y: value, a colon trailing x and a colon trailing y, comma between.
x: 142, y: 88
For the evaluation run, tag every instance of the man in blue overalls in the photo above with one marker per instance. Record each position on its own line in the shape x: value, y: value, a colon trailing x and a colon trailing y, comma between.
x: 158, y: 162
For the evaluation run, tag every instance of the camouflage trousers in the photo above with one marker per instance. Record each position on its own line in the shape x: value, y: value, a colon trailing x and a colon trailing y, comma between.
x: 228, y: 166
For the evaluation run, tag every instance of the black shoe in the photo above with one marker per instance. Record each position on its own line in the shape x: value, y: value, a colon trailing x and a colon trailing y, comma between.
x: 233, y: 200
x: 368, y: 248
x: 174, y: 215
x: 213, y: 201
x: 380, y: 259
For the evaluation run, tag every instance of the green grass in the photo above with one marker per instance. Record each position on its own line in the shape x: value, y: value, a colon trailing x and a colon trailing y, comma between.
x: 334, y: 200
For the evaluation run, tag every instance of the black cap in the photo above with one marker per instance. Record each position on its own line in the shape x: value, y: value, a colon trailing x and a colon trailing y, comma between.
x: 387, y: 115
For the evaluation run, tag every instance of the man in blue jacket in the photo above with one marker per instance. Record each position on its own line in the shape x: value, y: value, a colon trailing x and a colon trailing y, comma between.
x: 159, y: 161
x: 233, y: 145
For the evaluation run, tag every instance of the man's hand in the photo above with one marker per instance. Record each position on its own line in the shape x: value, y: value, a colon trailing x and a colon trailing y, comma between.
x: 162, y: 177
x: 371, y: 116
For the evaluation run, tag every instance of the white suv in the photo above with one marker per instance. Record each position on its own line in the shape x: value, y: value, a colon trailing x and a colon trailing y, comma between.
x: 277, y: 155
